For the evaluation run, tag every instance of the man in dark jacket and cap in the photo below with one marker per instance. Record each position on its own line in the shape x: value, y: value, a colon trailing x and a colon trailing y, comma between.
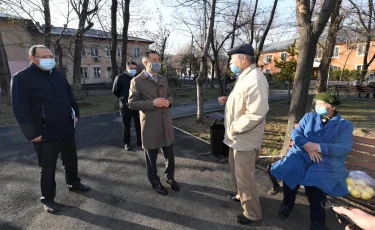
x: 46, y: 112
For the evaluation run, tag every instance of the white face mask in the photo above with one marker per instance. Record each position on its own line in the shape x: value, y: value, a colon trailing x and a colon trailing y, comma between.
x: 47, y: 64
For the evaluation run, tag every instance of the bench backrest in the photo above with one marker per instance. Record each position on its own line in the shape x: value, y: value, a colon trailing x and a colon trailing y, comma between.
x: 362, y: 156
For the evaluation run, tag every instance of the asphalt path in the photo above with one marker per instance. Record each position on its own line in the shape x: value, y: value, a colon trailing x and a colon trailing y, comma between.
x: 121, y: 196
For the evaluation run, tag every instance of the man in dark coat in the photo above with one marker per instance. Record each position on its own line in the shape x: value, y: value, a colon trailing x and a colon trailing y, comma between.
x: 120, y: 89
x: 46, y: 112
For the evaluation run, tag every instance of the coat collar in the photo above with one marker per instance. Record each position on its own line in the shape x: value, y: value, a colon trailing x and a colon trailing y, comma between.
x: 246, y: 71
x: 144, y: 75
x: 334, y: 121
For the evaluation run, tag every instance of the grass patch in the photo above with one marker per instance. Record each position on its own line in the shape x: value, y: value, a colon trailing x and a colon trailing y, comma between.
x: 359, y: 111
x: 99, y: 104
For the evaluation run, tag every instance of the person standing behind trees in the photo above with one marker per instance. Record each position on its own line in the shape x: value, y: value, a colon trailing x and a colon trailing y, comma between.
x: 120, y: 89
x: 245, y: 114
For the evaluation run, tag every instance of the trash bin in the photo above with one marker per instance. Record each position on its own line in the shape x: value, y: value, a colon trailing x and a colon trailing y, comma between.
x: 217, y: 132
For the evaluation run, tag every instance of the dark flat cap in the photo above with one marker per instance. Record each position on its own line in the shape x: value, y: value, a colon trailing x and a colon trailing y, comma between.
x: 330, y: 99
x: 242, y: 49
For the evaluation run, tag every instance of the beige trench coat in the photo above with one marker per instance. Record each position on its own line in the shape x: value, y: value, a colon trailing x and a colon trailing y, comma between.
x: 246, y: 110
x: 156, y: 123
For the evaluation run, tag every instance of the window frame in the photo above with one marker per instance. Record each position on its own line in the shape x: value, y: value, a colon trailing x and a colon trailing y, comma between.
x: 119, y: 52
x: 95, y: 73
x: 87, y: 72
x: 268, y: 61
x: 363, y: 50
x: 356, y: 67
x: 95, y: 48
x: 338, y: 52
x: 319, y: 50
x: 281, y: 56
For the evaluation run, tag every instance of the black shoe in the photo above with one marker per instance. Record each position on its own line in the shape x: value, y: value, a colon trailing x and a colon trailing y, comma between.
x: 284, y: 211
x: 316, y: 226
x: 159, y: 188
x: 79, y: 187
x: 233, y: 197
x: 173, y: 185
x: 243, y: 219
x: 50, y: 206
x: 127, y: 147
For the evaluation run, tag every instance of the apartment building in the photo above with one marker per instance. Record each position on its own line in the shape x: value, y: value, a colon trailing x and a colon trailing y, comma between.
x: 344, y: 54
x: 19, y: 34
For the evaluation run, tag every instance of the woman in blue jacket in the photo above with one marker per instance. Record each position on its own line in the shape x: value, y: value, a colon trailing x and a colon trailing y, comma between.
x: 316, y: 160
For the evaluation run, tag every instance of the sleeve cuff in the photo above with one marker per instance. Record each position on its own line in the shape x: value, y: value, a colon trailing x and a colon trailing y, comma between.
x: 319, y: 149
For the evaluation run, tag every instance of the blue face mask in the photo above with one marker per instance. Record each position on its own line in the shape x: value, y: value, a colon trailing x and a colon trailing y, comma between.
x: 234, y: 68
x: 132, y: 72
x: 47, y: 64
x: 321, y: 111
x: 155, y: 66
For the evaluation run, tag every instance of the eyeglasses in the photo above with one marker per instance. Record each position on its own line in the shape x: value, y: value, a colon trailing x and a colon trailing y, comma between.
x: 45, y: 57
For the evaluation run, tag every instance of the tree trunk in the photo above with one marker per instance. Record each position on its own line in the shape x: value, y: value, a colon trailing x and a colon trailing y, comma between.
x: 60, y: 54
x: 368, y: 41
x: 321, y: 83
x: 213, y: 73
x: 82, y: 16
x: 203, y: 67
x: 5, y: 76
x: 234, y: 27
x: 114, y: 39
x: 264, y: 35
x: 125, y: 35
x: 309, y: 33
x: 253, y: 22
x: 47, y: 23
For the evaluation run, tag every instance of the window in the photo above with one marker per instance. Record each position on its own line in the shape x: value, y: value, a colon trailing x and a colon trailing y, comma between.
x: 336, y: 52
x: 319, y: 53
x: 94, y: 51
x: 268, y: 58
x: 137, y: 52
x: 97, y: 72
x: 119, y: 52
x: 361, y: 49
x: 109, y: 71
x: 359, y: 67
x: 107, y: 51
x: 84, y: 72
x: 284, y: 56
x: 334, y: 67
x: 268, y: 71
x: 83, y: 52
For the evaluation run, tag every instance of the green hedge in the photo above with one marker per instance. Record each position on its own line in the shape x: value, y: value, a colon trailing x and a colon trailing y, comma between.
x: 347, y: 75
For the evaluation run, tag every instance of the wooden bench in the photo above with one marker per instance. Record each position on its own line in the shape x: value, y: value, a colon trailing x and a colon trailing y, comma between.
x: 361, y: 157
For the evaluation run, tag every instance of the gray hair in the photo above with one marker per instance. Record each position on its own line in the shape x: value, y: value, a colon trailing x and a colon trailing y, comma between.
x: 146, y: 55
x: 32, y: 50
x: 250, y: 58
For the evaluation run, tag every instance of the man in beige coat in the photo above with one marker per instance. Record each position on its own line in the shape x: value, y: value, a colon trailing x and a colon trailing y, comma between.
x: 245, y: 115
x: 150, y: 94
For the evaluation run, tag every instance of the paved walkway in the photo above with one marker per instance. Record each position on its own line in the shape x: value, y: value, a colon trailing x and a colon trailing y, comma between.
x: 121, y: 197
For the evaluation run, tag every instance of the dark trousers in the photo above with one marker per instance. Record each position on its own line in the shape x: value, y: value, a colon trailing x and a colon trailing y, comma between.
x: 127, y: 115
x: 48, y: 153
x: 316, y: 197
x: 151, y: 156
